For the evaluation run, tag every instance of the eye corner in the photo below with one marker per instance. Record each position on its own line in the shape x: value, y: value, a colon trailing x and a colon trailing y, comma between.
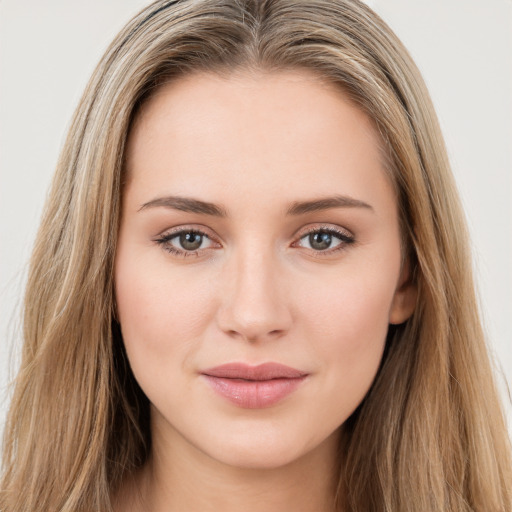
x: 325, y: 245
x: 165, y: 239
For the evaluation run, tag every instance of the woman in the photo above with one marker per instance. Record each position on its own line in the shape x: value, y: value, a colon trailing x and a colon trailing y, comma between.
x: 253, y: 273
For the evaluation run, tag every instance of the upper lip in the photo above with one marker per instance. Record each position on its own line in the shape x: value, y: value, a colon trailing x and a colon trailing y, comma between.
x: 266, y: 371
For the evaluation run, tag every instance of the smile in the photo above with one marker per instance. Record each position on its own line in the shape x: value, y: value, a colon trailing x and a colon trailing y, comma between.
x: 254, y: 387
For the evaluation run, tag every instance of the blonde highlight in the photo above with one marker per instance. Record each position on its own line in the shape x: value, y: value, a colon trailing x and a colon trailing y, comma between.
x: 430, y: 435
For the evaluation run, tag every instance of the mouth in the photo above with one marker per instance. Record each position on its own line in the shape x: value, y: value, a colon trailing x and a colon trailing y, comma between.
x: 254, y: 387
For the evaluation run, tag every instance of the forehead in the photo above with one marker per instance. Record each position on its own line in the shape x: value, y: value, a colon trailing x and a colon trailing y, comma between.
x: 281, y: 133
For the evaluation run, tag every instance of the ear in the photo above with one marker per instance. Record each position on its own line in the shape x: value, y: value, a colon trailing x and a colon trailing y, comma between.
x: 404, y: 300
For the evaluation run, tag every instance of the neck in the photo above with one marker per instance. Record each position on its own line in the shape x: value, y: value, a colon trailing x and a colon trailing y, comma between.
x: 181, y: 477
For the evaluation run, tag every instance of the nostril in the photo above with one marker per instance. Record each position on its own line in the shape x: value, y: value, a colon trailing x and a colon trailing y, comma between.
x: 256, y: 335
x: 253, y: 310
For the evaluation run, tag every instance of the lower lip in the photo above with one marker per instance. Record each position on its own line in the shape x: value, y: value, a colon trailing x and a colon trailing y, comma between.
x: 254, y: 394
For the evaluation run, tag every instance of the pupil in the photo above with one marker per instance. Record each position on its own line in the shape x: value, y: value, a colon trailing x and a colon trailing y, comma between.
x: 191, y: 241
x: 320, y: 240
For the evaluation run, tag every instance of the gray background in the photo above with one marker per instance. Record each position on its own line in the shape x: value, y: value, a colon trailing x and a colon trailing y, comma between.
x: 48, y: 49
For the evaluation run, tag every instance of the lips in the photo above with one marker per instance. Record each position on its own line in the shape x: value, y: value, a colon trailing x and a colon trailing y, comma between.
x: 254, y: 387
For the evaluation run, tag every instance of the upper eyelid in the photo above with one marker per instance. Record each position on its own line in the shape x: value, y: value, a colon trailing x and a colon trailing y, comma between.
x: 297, y: 236
x: 175, y: 231
x: 332, y: 228
x: 165, y: 237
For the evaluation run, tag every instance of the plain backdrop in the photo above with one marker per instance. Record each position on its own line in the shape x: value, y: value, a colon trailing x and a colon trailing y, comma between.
x: 48, y: 49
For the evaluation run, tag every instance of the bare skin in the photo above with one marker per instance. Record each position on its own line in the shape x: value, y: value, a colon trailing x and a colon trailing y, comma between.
x: 230, y: 489
x: 258, y: 226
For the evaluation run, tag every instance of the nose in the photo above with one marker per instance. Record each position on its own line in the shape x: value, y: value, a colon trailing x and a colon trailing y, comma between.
x: 254, y: 305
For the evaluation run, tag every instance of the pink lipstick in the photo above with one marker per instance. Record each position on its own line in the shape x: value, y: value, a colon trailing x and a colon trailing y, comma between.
x: 254, y: 387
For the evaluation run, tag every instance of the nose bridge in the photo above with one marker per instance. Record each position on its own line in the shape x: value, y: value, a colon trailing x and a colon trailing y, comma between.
x: 254, y: 306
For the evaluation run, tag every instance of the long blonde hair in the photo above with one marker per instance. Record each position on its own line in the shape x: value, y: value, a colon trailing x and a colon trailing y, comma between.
x: 430, y: 435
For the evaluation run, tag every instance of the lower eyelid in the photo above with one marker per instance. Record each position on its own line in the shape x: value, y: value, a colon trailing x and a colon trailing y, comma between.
x: 164, y: 239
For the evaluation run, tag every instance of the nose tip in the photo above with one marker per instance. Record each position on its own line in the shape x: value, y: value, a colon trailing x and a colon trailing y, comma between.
x: 254, y: 306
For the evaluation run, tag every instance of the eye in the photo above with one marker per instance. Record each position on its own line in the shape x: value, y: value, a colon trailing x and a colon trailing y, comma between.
x: 325, y: 240
x: 185, y: 242
x: 189, y: 240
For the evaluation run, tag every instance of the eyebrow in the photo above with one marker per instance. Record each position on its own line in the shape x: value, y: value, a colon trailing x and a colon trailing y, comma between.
x: 301, y: 207
x: 186, y: 204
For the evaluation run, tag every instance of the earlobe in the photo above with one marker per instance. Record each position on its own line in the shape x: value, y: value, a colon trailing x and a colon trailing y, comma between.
x: 404, y: 300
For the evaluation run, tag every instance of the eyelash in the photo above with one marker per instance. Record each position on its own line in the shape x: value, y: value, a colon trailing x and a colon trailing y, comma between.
x: 344, y: 237
x: 164, y: 241
x: 345, y: 240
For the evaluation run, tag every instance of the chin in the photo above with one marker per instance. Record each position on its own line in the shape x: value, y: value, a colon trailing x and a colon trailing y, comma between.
x: 267, y: 449
x: 259, y: 457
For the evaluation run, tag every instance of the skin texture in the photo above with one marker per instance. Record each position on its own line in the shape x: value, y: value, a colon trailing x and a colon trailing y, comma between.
x: 256, y: 290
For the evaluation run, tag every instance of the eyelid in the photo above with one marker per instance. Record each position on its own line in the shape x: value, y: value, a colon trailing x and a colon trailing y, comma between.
x: 163, y: 239
x: 331, y: 228
x: 196, y: 228
x: 345, y: 236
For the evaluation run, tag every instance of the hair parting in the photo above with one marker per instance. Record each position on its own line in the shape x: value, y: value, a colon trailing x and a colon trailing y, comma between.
x: 430, y: 434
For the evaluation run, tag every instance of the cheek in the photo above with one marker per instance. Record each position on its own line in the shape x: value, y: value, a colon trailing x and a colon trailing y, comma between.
x: 350, y: 309
x: 348, y: 319
x: 161, y: 312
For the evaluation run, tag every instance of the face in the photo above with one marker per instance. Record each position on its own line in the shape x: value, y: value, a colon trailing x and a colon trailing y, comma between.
x: 258, y: 264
